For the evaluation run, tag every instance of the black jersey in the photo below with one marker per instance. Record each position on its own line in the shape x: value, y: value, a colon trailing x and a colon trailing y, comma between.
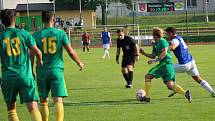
x: 128, y: 45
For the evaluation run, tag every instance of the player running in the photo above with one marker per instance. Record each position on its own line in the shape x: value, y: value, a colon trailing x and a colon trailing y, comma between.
x: 130, y: 55
x: 164, y: 69
x: 16, y: 68
x: 186, y: 62
x: 50, y: 77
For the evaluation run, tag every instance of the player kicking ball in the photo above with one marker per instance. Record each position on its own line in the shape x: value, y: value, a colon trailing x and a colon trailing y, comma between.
x: 164, y: 69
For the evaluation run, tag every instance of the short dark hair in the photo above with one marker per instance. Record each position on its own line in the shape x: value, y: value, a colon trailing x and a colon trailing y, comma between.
x: 47, y: 16
x: 119, y: 30
x: 7, y: 16
x: 171, y: 29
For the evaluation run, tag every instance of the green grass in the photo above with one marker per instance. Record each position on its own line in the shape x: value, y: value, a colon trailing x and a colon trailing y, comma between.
x: 98, y: 94
x: 176, y: 20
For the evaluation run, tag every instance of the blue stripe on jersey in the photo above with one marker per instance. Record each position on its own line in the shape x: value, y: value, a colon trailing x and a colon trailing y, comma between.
x: 181, y: 52
x: 105, y: 38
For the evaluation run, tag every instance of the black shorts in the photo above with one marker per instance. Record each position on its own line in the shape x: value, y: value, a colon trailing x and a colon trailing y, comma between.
x: 85, y: 43
x: 127, y: 60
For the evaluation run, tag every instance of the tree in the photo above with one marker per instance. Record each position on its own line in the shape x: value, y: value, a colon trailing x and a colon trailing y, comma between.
x: 91, y: 4
x: 102, y: 3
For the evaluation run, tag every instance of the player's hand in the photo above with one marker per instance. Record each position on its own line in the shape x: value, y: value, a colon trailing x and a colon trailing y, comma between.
x: 81, y: 65
x: 152, y: 61
x: 141, y: 50
x: 41, y: 63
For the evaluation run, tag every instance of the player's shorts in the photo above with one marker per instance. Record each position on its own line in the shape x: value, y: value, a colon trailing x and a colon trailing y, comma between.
x: 106, y: 46
x: 51, y: 80
x: 127, y: 60
x: 85, y: 43
x: 25, y: 87
x: 163, y: 70
x: 190, y: 68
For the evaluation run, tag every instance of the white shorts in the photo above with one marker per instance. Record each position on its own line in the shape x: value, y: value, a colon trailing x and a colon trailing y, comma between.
x: 190, y: 68
x: 106, y: 46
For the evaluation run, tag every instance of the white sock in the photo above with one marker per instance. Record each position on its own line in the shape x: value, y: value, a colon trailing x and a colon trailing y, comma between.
x: 108, y: 54
x: 105, y: 51
x: 207, y: 86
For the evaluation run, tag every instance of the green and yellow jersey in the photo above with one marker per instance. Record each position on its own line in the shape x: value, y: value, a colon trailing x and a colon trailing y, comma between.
x: 51, y: 41
x: 158, y: 48
x: 14, y: 53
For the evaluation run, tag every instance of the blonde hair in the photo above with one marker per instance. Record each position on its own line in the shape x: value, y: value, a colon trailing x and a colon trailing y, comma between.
x: 158, y: 32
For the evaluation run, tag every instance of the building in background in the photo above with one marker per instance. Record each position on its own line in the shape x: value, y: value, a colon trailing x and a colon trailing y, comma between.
x: 193, y: 6
x: 11, y: 4
x: 68, y: 14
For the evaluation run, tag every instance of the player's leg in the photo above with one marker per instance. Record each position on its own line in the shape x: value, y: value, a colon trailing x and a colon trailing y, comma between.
x: 124, y: 71
x: 88, y: 48
x: 130, y: 65
x: 10, y: 92
x: 196, y: 76
x: 44, y: 109
x: 204, y: 84
x: 34, y: 111
x: 130, y: 73
x: 153, y: 73
x: 58, y: 90
x: 168, y: 76
x: 28, y: 94
x: 178, y: 68
x: 84, y: 46
x: 148, y: 78
x: 108, y: 47
x: 178, y: 89
x: 43, y: 89
x: 12, y: 115
x: 105, y: 51
x: 59, y: 111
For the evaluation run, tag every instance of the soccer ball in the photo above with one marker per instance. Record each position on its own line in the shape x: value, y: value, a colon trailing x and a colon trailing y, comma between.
x: 140, y: 94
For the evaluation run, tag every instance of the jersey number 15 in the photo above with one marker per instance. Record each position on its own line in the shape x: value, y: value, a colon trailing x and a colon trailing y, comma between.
x: 49, y: 45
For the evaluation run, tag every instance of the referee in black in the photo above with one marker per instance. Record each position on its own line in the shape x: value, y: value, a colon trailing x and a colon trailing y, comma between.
x: 130, y: 55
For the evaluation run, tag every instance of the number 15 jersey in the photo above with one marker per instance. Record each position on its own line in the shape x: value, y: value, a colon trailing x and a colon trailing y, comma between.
x: 51, y: 41
x: 14, y: 53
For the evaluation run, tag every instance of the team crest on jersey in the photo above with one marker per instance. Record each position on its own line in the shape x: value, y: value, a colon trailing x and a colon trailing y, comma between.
x: 127, y: 47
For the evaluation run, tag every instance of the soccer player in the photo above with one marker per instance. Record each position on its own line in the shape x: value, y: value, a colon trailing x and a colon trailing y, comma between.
x: 106, y: 41
x: 86, y: 41
x: 164, y: 69
x: 16, y: 68
x: 186, y: 62
x: 50, y: 77
x: 130, y: 55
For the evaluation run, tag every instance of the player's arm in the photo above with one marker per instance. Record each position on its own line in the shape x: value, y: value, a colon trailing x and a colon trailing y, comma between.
x: 136, y: 52
x: 174, y: 44
x: 35, y: 51
x: 117, y: 55
x: 74, y: 55
x: 163, y: 54
x: 160, y: 57
x: 110, y: 39
x: 152, y: 55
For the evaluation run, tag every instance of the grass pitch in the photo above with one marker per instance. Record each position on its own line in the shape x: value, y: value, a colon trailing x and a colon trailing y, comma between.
x: 98, y: 94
